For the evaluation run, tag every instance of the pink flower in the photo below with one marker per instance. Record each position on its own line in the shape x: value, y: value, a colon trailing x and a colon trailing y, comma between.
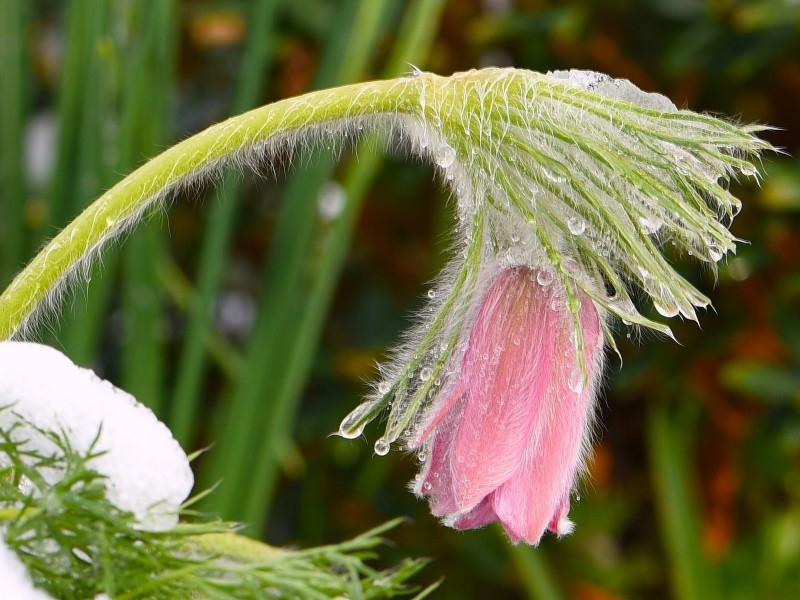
x: 507, y: 438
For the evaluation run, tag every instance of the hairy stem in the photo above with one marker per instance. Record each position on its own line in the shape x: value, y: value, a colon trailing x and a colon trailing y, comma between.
x: 124, y: 204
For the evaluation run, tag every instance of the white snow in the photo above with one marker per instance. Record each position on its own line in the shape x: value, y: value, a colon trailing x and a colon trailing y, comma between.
x: 147, y: 472
x: 14, y: 577
x: 622, y: 89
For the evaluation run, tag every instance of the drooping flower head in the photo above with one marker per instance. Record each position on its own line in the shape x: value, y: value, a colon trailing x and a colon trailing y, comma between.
x: 506, y: 440
x: 574, y: 180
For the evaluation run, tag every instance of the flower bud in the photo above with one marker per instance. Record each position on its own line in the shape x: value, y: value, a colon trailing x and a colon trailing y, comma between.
x: 506, y: 439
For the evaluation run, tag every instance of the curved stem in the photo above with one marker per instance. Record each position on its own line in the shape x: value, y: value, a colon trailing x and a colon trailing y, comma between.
x: 236, y: 547
x: 266, y: 128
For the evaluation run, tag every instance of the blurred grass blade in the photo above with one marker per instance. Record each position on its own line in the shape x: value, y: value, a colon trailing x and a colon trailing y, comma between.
x: 13, y: 95
x: 217, y: 232
x: 240, y: 428
x: 680, y: 525
x: 323, y: 263
x: 182, y: 294
x: 533, y: 570
x: 144, y: 130
x: 82, y: 100
x: 85, y: 156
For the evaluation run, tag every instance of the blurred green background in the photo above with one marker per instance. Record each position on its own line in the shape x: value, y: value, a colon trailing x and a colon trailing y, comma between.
x: 251, y: 312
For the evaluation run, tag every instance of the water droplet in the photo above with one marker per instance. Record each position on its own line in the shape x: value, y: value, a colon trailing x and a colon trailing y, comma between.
x: 422, y: 457
x: 545, y: 277
x: 431, y: 294
x: 650, y: 225
x: 426, y: 487
x: 576, y: 225
x: 384, y: 387
x: 425, y: 374
x: 444, y: 155
x: 577, y: 380
x: 350, y: 427
x: 665, y: 308
x: 623, y: 305
x: 715, y: 251
x: 381, y: 447
x: 748, y: 170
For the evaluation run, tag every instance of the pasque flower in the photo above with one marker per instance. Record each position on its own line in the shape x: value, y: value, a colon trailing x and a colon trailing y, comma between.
x: 567, y: 187
x: 506, y: 440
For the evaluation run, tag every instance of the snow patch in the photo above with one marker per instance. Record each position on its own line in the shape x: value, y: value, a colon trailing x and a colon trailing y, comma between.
x: 147, y: 473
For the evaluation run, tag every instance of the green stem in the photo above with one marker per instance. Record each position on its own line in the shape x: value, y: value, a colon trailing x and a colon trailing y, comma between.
x: 123, y: 205
x: 12, y: 117
x: 692, y: 575
x: 532, y: 566
x: 180, y: 292
x: 186, y: 398
x: 252, y: 430
x: 145, y: 126
x: 13, y: 514
x: 320, y: 262
x: 236, y: 547
x: 85, y: 163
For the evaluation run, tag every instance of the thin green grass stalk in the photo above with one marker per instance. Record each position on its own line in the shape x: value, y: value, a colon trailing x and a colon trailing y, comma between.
x: 144, y: 130
x: 187, y: 397
x: 13, y: 91
x: 182, y: 294
x: 324, y: 263
x: 532, y: 568
x: 93, y: 143
x: 244, y: 433
x: 81, y: 94
x: 691, y: 574
x: 85, y: 160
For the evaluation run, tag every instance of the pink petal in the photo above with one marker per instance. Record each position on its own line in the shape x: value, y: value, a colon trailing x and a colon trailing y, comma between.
x: 436, y: 479
x: 507, y: 369
x: 481, y: 515
x: 536, y: 497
